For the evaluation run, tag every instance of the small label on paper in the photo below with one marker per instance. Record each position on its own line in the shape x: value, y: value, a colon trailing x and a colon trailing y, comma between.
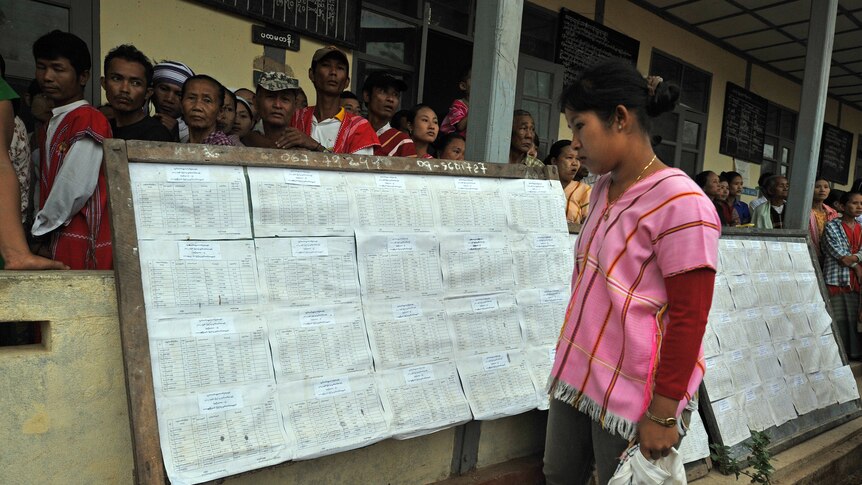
x: 309, y: 247
x: 400, y: 244
x: 312, y: 318
x: 752, y: 313
x: 214, y: 402
x: 212, y: 326
x: 552, y: 354
x: 536, y: 186
x: 484, y: 304
x: 476, y: 243
x: 496, y: 361
x: 187, y: 174
x: 420, y: 373
x: 302, y: 177
x: 774, y: 311
x: 556, y: 295
x: 730, y: 243
x: 816, y: 376
x: 762, y: 277
x: 776, y: 246
x: 334, y: 386
x: 544, y: 241
x: 467, y: 185
x: 764, y: 350
x: 406, y: 310
x: 199, y: 251
x: 736, y: 355
x: 390, y: 181
x: 724, y: 405
x: 750, y: 395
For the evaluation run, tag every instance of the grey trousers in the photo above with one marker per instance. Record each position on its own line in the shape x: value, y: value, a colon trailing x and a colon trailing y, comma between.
x: 574, y: 442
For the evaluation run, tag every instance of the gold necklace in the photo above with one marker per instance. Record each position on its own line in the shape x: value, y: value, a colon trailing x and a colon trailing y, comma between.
x: 611, y: 203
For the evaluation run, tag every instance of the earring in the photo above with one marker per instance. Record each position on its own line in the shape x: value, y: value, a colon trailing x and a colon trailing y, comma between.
x: 620, y: 127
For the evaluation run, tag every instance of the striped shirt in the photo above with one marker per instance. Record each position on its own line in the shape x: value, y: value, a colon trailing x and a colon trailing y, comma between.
x: 608, y: 350
x: 394, y: 143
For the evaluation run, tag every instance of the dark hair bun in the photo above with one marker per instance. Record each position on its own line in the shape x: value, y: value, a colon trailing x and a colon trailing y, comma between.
x: 664, y: 99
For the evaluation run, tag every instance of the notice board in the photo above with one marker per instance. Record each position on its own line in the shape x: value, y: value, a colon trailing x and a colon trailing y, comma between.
x: 334, y: 21
x: 582, y: 42
x: 283, y: 305
x: 836, y: 150
x: 743, y: 125
x: 773, y: 358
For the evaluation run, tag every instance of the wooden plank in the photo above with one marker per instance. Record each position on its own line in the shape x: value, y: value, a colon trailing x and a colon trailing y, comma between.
x: 159, y: 152
x: 149, y: 467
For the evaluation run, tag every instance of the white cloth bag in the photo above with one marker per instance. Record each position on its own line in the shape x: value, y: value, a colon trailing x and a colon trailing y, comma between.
x: 636, y: 469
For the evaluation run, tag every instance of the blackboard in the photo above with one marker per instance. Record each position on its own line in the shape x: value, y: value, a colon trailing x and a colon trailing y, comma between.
x: 836, y: 149
x: 582, y: 42
x: 744, y: 124
x: 335, y: 21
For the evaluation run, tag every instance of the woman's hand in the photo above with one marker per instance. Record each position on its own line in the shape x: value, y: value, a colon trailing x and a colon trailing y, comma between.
x: 654, y: 439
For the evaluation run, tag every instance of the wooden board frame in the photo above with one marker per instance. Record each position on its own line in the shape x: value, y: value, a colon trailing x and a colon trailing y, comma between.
x: 811, y: 424
x: 146, y: 449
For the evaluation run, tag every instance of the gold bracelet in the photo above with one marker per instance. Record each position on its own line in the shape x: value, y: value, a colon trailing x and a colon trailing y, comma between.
x: 666, y: 422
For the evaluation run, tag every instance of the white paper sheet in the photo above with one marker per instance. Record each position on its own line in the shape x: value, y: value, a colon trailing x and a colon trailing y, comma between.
x: 742, y: 290
x: 730, y: 332
x: 189, y: 201
x: 733, y: 257
x: 802, y: 394
x: 818, y: 318
x: 201, y: 352
x: 404, y: 332
x: 798, y: 320
x: 721, y: 297
x: 742, y: 370
x: 756, y: 331
x: 808, y: 349
x: 540, y: 361
x: 758, y: 258
x: 779, y: 256
x: 497, y: 385
x: 732, y: 421
x: 844, y: 383
x: 475, y: 263
x: 756, y: 408
x: 333, y: 414
x: 779, y: 402
x: 789, y: 358
x: 307, y: 271
x: 766, y: 362
x: 710, y: 342
x: 423, y: 399
x: 391, y: 203
x: 829, y: 356
x: 767, y: 289
x: 800, y: 257
x: 315, y: 341
x: 787, y: 288
x: 808, y: 287
x: 717, y: 379
x: 695, y: 446
x: 465, y: 204
x: 193, y: 276
x: 293, y: 202
x: 780, y: 327
x: 542, y: 260
x: 215, y: 434
x: 823, y: 389
x: 541, y: 312
x: 535, y: 205
x: 484, y: 323
x: 403, y: 265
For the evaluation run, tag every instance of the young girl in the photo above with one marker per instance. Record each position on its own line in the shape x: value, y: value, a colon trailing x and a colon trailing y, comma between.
x: 734, y: 185
x: 820, y: 214
x: 242, y: 122
x: 451, y: 147
x: 842, y: 242
x: 577, y: 193
x: 724, y: 203
x: 709, y: 183
x: 456, y: 120
x: 629, y: 356
x: 423, y: 129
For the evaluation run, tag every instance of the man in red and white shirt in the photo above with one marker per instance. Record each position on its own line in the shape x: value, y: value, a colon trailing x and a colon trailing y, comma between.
x: 382, y: 95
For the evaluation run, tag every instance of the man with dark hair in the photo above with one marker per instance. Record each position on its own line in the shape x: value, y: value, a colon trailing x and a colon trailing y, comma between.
x: 382, y: 95
x: 350, y: 102
x: 72, y: 215
x: 202, y: 100
x: 328, y: 126
x: 168, y: 80
x: 127, y: 80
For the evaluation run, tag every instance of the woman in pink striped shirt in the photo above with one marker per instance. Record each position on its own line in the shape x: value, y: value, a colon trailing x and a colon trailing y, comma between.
x: 629, y: 356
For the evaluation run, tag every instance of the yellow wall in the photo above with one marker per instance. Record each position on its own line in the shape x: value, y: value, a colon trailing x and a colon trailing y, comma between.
x: 210, y: 41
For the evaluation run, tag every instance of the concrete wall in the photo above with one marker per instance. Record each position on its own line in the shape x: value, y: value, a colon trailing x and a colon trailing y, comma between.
x: 65, y: 412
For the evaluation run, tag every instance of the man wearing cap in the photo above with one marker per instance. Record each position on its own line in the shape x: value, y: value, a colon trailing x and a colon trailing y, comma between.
x: 327, y: 126
x: 275, y: 101
x: 168, y: 80
x: 382, y: 95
